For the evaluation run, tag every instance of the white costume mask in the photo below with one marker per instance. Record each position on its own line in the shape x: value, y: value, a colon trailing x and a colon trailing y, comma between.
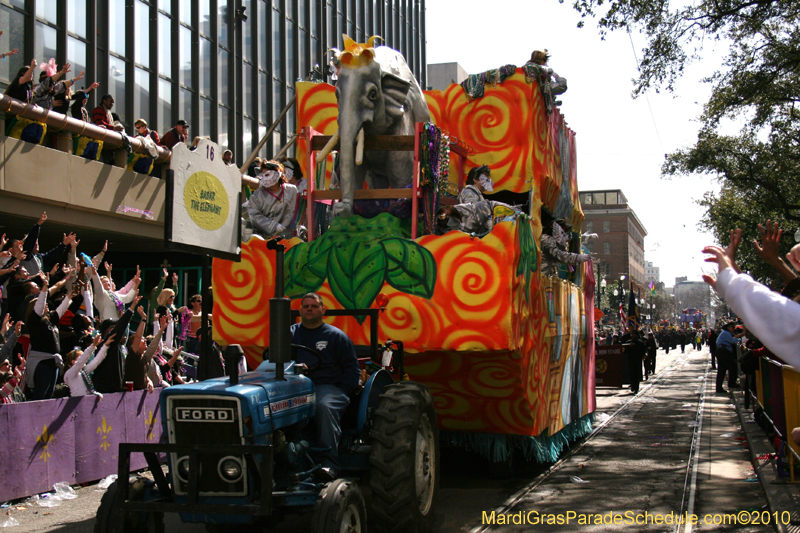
x: 559, y: 234
x: 486, y: 181
x: 288, y: 172
x: 268, y: 178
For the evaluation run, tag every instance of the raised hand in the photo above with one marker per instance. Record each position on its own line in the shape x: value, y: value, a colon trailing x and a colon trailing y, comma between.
x: 166, y: 274
x: 97, y: 341
x: 6, y: 324
x: 770, y: 242
x: 18, y: 327
x: 54, y: 269
x: 794, y: 256
x: 42, y: 218
x: 108, y: 268
x: 78, y: 77
x: 110, y: 339
x: 174, y: 279
x: 141, y: 312
x: 136, y: 299
x: 105, y: 247
x: 137, y: 278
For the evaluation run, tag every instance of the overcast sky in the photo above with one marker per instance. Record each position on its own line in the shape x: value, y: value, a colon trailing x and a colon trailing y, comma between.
x: 621, y: 144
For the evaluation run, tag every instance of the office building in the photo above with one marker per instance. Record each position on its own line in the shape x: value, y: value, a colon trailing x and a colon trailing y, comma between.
x: 227, y: 67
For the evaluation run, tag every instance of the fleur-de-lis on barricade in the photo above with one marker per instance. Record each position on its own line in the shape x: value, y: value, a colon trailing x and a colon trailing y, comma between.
x: 149, y: 423
x: 105, y: 429
x: 45, y: 438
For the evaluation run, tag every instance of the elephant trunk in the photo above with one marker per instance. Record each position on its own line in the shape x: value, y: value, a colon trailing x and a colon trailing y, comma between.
x: 351, y: 155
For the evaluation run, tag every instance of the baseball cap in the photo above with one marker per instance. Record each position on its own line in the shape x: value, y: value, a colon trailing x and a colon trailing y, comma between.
x: 182, y: 123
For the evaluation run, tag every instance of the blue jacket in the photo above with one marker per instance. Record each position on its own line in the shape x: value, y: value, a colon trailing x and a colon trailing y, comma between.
x: 726, y: 341
x: 339, y: 364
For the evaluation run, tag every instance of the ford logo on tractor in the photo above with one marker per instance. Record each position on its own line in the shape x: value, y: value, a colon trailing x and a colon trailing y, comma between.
x: 204, y: 414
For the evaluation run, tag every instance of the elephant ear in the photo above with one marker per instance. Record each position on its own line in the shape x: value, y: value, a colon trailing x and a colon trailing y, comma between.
x: 395, y: 91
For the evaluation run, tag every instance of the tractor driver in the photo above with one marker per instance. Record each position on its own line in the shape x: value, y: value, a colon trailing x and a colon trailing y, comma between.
x: 335, y: 377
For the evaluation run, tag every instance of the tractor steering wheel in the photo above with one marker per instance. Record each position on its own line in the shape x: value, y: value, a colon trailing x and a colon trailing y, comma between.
x: 316, y: 354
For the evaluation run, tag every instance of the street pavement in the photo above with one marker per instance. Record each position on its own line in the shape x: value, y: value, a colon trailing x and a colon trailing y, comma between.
x: 638, y: 461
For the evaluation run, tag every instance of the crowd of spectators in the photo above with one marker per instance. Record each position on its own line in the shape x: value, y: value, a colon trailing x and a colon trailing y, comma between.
x: 52, y: 90
x: 770, y: 320
x: 69, y: 331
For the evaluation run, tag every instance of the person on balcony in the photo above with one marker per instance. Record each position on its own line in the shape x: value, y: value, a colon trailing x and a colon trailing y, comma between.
x: 143, y: 131
x: 101, y: 116
x: 178, y: 134
x: 79, y: 101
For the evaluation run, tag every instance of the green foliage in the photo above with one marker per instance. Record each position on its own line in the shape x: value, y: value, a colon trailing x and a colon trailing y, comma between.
x: 357, y: 256
x: 528, y: 257
x: 759, y: 81
x: 732, y: 209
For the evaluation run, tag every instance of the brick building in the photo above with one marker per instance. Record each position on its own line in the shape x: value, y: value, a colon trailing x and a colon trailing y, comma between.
x: 619, y: 247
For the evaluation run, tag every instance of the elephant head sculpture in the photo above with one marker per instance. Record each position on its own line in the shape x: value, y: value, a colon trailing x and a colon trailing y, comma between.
x: 377, y: 94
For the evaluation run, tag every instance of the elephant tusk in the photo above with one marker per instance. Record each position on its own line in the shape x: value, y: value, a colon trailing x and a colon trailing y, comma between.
x: 360, y: 147
x: 328, y: 147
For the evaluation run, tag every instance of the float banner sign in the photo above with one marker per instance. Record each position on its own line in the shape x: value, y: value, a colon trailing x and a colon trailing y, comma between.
x: 203, y: 202
x: 610, y: 365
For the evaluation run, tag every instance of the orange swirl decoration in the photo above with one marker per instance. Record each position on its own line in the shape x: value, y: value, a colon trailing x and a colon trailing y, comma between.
x: 240, y: 291
x: 316, y: 108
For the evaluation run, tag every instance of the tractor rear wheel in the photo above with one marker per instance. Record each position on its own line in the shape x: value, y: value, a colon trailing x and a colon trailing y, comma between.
x: 405, y: 460
x: 340, y: 509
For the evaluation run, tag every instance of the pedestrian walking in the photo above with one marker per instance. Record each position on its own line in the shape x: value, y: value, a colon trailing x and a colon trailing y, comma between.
x: 635, y: 349
x: 650, y: 359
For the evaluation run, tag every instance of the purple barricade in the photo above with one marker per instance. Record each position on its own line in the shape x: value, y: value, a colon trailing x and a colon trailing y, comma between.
x: 71, y: 439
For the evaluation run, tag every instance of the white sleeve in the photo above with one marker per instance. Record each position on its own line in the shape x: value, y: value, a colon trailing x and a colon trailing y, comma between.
x: 38, y: 307
x: 97, y: 360
x: 63, y: 306
x: 773, y: 318
x: 170, y: 335
x: 87, y: 303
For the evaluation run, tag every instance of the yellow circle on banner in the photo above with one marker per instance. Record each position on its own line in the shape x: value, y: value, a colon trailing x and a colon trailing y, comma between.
x: 206, y: 200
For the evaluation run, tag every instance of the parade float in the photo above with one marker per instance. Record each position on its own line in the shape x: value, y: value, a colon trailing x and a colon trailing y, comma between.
x: 504, y: 349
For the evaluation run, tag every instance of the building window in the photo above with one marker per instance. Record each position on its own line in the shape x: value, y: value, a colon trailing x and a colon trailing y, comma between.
x: 606, y: 226
x: 611, y: 198
x: 589, y: 227
x: 587, y: 199
x: 606, y: 247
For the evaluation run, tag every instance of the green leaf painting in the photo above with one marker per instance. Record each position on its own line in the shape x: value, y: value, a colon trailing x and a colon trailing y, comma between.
x: 300, y: 278
x: 528, y: 256
x: 357, y: 256
x: 411, y: 268
x: 356, y: 272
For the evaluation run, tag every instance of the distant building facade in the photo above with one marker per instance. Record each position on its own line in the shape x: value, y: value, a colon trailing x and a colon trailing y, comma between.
x: 652, y: 273
x: 619, y: 247
x: 440, y: 75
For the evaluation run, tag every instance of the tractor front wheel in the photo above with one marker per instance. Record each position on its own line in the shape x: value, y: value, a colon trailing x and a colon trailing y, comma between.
x: 405, y: 460
x: 107, y: 517
x: 340, y: 509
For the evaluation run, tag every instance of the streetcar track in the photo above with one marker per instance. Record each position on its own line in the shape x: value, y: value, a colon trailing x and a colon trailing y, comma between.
x: 694, y: 459
x: 516, y: 498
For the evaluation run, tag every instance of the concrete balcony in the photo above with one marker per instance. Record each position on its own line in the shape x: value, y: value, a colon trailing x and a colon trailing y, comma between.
x: 95, y: 200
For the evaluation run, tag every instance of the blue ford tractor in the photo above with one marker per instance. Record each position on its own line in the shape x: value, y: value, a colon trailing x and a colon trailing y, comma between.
x: 239, y: 451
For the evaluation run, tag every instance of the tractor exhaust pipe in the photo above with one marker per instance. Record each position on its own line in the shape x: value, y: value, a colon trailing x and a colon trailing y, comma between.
x: 233, y: 354
x: 280, y: 311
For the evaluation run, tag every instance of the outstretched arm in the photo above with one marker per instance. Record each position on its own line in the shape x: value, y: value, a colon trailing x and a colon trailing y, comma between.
x: 768, y: 250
